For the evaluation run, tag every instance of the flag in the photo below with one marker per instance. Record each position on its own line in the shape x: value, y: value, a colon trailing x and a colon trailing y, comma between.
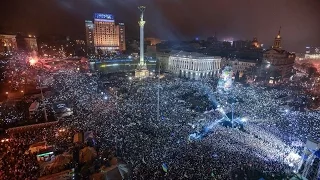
x: 164, y: 167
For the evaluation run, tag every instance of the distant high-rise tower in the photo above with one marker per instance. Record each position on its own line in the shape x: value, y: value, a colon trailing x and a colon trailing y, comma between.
x: 142, y: 70
x: 106, y: 33
x: 277, y: 40
x: 89, y: 37
x: 122, y: 37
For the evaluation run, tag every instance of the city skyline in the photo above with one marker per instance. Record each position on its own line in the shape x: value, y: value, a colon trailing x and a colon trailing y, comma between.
x: 229, y: 19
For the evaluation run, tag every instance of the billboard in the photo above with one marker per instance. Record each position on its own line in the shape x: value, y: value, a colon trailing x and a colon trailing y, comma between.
x: 103, y: 17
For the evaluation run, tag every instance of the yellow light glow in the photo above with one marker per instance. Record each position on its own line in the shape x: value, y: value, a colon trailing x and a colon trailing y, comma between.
x: 32, y: 61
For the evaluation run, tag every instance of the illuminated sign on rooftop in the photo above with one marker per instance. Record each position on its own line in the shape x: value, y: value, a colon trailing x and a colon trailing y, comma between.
x: 103, y: 17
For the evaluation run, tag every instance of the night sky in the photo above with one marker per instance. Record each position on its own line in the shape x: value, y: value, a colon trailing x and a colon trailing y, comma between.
x: 173, y: 19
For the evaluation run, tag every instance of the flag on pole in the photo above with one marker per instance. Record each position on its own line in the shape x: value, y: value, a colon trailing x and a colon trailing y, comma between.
x: 164, y: 167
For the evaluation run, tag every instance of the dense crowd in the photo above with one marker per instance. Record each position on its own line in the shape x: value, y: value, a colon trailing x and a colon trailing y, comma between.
x: 123, y: 115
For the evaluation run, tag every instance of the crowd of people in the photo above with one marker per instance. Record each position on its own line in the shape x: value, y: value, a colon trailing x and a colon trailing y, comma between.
x: 124, y: 115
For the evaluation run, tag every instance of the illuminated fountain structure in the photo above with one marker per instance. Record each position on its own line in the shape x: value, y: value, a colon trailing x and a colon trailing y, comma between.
x: 225, y: 81
x: 142, y: 71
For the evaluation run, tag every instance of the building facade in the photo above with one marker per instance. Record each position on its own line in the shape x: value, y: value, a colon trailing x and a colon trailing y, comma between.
x: 278, y: 59
x: 122, y: 37
x: 105, y: 34
x: 312, y: 53
x: 239, y: 65
x: 8, y: 44
x: 89, y: 37
x: 194, y: 65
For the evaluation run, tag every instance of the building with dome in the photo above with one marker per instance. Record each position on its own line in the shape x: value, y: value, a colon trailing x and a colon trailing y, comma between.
x: 279, y: 60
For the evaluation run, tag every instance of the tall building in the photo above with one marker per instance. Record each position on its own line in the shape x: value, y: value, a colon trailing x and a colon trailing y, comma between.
x: 194, y: 65
x: 279, y: 61
x: 89, y: 37
x: 8, y: 44
x: 107, y: 35
x: 122, y: 37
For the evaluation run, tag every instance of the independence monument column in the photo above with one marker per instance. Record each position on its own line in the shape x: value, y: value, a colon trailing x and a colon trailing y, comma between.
x: 141, y: 70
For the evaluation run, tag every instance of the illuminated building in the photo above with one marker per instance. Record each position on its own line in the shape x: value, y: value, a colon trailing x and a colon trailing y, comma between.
x: 106, y: 33
x: 122, y: 37
x: 194, y: 65
x: 8, y: 44
x: 280, y: 61
x: 312, y: 53
x: 107, y: 36
x: 89, y: 37
x: 142, y: 71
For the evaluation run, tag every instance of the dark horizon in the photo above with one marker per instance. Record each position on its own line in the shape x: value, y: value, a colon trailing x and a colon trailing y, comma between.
x: 174, y: 19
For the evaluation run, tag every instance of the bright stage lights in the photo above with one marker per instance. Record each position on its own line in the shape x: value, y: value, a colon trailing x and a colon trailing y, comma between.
x: 244, y: 119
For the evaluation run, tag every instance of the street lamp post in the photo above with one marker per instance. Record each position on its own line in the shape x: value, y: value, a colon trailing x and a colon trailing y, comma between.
x: 44, y: 104
x: 158, y: 96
